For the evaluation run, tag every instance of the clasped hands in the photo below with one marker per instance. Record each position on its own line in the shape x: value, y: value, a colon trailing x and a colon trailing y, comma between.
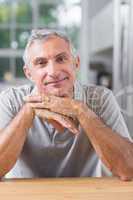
x: 61, y: 112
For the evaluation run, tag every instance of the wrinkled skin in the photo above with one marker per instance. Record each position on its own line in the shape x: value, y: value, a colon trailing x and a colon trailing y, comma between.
x: 52, y: 67
x: 58, y: 120
x: 53, y: 70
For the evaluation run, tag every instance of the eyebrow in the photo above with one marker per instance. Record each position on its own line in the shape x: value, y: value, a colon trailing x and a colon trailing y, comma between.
x: 38, y: 59
x: 61, y: 54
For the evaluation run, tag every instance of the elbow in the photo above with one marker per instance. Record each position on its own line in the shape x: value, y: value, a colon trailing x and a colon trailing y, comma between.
x: 4, y: 170
x: 126, y: 177
x: 124, y: 166
x: 124, y: 172
x: 3, y: 173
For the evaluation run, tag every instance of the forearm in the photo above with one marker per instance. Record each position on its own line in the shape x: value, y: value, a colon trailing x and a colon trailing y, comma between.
x: 115, y: 151
x: 12, y: 139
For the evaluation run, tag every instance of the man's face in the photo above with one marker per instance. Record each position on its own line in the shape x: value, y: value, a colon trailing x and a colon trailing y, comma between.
x: 52, y: 66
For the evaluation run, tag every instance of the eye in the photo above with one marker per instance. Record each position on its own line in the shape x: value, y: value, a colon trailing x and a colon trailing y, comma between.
x: 42, y: 63
x: 61, y: 59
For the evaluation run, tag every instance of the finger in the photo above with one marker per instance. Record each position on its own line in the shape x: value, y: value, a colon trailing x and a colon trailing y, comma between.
x: 35, y: 98
x: 64, y: 121
x: 57, y: 125
x: 54, y: 108
x: 41, y: 97
x: 43, y: 113
x: 48, y: 98
x: 41, y: 105
x: 71, y: 125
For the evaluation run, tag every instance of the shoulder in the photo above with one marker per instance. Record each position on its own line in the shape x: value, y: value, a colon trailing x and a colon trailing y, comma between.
x: 13, y: 96
x: 96, y: 92
x: 96, y: 96
x: 93, y: 90
x: 17, y: 91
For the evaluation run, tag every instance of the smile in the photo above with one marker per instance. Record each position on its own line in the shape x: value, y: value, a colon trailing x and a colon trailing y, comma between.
x: 54, y: 82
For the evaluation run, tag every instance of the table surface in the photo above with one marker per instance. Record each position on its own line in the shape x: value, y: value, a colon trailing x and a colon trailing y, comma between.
x: 66, y: 188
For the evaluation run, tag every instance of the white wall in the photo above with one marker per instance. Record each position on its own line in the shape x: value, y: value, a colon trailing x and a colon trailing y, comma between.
x: 102, y: 29
x: 97, y: 5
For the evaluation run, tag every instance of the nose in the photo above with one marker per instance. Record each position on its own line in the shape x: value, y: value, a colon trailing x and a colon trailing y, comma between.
x: 52, y: 69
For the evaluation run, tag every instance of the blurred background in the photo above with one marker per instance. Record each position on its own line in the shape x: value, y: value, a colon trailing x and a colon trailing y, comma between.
x: 101, y: 31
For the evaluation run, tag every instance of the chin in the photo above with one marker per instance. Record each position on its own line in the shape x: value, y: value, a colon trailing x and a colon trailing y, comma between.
x: 60, y: 93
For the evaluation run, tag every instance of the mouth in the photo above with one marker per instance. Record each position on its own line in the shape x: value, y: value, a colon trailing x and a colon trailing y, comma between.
x: 55, y: 82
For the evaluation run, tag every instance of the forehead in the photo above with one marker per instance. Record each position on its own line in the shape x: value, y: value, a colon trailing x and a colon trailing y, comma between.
x: 49, y: 48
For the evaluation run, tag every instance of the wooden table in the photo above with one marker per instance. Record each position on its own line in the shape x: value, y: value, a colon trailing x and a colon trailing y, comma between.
x: 66, y: 188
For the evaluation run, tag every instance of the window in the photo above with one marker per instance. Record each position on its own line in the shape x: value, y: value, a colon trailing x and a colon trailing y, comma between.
x: 18, y: 17
x: 19, y: 67
x: 4, y: 67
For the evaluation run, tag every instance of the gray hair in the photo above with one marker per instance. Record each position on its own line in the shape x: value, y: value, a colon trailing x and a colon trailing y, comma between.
x: 44, y: 34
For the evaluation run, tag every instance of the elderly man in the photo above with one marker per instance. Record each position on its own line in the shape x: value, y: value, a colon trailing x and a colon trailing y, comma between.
x: 56, y: 127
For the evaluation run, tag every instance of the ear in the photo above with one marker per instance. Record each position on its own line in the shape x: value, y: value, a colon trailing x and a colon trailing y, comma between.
x: 77, y: 62
x: 27, y: 72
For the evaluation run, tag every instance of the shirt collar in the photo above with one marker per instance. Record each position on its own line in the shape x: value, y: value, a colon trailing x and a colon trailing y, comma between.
x: 79, y: 93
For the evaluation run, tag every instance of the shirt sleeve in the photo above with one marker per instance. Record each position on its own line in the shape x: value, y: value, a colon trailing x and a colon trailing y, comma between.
x: 7, y: 109
x: 111, y: 115
x: 102, y: 101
